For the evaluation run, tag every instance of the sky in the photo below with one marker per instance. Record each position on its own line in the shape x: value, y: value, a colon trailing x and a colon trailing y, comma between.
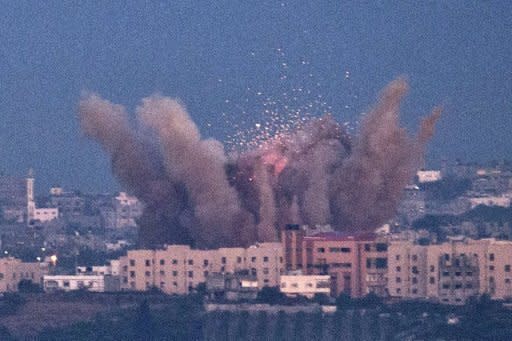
x: 226, y: 60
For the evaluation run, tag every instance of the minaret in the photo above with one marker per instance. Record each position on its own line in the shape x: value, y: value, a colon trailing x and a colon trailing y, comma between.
x: 31, y: 205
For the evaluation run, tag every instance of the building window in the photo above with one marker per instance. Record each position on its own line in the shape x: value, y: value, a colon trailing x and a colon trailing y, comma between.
x: 432, y: 268
x: 414, y: 270
x: 162, y: 273
x: 65, y: 284
x: 398, y: 280
x: 507, y: 268
x: 491, y: 257
x: 397, y: 257
x: 132, y: 262
x: 345, y: 249
x: 446, y: 273
x: 148, y: 262
x: 446, y: 286
x: 191, y: 274
x: 432, y: 280
x: 148, y: 274
x: 320, y: 250
x: 265, y: 271
x: 414, y: 258
x: 367, y: 247
x: 469, y: 273
x: 381, y: 263
x: 125, y: 268
x: 162, y: 262
x: 381, y: 247
x: 239, y: 260
x: 398, y: 290
x: 223, y: 260
x: 446, y: 257
x: 458, y: 274
x: 414, y: 280
x: 253, y: 259
x: 205, y: 274
x: 190, y: 262
x: 398, y: 269
x: 414, y: 291
x: 132, y: 274
x: 174, y: 273
x: 491, y: 267
x: 174, y: 261
x: 205, y: 262
x: 265, y: 259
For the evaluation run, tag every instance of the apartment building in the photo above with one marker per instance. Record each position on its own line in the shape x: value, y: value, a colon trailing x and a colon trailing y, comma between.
x: 407, y: 270
x: 450, y: 272
x: 13, y: 271
x: 178, y: 269
x: 357, y: 264
x: 457, y: 270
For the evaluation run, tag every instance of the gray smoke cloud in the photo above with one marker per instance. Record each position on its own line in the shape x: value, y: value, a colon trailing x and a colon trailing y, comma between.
x: 318, y: 174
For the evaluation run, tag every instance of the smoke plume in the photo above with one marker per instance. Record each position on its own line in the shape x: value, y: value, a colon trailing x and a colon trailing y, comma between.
x: 318, y: 174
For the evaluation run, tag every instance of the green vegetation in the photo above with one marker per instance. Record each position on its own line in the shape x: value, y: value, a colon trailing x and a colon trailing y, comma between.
x: 446, y: 189
x: 162, y: 317
x: 10, y: 303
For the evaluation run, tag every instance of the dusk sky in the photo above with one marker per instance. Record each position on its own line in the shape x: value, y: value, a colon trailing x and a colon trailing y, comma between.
x: 228, y: 57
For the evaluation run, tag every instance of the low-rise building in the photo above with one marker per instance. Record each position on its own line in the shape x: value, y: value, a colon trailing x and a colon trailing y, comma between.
x: 501, y: 201
x: 428, y: 176
x: 233, y: 287
x: 94, y: 283
x: 305, y: 285
x: 13, y: 271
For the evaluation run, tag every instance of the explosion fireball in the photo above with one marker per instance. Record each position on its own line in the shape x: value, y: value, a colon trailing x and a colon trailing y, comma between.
x: 194, y: 193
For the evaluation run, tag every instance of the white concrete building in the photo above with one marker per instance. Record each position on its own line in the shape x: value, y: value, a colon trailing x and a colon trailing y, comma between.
x: 428, y: 176
x: 94, y: 283
x: 501, y: 201
x: 305, y: 285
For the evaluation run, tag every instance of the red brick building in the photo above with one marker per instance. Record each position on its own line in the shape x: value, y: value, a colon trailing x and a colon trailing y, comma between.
x: 357, y: 264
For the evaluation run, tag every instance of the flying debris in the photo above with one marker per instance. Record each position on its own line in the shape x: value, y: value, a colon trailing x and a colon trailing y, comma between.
x: 311, y: 171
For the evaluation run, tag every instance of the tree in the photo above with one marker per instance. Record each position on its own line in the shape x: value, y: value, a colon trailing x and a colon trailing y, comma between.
x: 343, y: 302
x: 271, y: 295
x: 322, y: 299
x: 27, y: 286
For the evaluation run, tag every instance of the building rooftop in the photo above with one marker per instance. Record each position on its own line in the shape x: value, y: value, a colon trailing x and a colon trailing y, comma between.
x: 341, y: 236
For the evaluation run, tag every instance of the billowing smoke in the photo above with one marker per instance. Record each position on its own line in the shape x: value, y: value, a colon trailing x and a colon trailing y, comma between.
x: 318, y: 174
